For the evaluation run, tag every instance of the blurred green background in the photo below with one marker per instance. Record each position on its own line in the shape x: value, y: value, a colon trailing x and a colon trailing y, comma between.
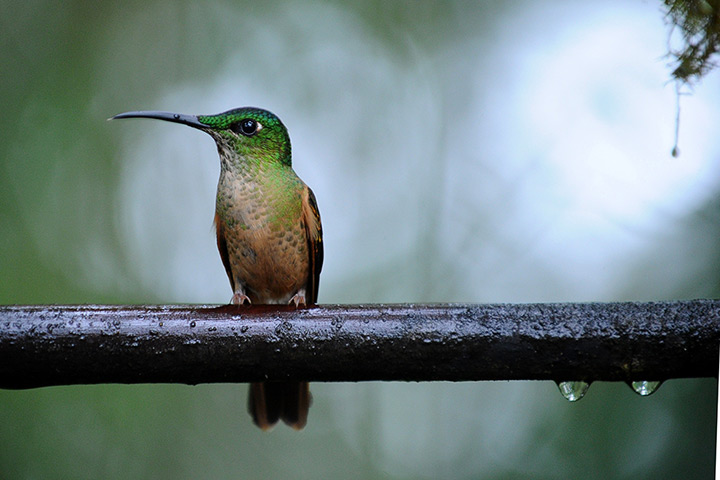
x: 460, y: 152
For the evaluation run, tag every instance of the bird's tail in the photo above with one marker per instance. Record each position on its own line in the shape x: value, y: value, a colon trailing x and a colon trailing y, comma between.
x: 269, y: 402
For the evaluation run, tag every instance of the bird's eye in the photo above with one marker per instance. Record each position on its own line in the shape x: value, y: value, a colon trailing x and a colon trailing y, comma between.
x: 247, y: 127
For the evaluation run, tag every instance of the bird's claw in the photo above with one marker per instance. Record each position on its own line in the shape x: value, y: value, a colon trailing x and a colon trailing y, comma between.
x: 239, y: 299
x: 297, y: 299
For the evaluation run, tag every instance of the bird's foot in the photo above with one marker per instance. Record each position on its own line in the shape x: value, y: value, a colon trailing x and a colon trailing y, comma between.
x: 239, y: 298
x: 298, y: 298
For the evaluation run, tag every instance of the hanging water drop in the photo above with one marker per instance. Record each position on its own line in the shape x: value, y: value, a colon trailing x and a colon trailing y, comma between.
x: 573, y: 391
x: 645, y: 387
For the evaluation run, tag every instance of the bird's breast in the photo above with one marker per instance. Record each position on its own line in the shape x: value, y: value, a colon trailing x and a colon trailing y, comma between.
x: 265, y: 238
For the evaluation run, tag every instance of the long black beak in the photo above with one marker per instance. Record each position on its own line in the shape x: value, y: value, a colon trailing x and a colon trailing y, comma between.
x: 189, y: 120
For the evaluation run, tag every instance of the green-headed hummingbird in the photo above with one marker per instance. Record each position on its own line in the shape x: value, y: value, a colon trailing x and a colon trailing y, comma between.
x: 268, y: 232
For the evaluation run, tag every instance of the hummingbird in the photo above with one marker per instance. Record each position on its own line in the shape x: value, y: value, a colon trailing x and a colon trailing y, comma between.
x: 268, y: 230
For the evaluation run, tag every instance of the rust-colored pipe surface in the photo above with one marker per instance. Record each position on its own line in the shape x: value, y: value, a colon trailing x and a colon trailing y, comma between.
x: 63, y: 345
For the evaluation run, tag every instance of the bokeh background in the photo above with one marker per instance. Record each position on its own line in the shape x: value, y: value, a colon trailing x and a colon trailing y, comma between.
x: 460, y: 152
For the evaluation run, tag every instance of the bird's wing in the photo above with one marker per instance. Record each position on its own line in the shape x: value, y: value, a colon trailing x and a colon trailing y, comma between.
x: 313, y: 232
x: 222, y: 247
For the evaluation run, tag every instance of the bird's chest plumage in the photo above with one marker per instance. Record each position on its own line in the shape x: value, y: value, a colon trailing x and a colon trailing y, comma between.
x: 261, y: 217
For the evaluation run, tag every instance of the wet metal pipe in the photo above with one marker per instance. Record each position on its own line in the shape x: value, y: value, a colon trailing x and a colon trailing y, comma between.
x: 64, y: 345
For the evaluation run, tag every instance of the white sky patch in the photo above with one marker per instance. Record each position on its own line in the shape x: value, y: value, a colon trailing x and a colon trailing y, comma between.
x: 599, y: 105
x: 570, y: 161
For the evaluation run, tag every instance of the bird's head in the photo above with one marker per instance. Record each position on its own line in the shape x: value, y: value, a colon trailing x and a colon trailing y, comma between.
x: 247, y: 132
